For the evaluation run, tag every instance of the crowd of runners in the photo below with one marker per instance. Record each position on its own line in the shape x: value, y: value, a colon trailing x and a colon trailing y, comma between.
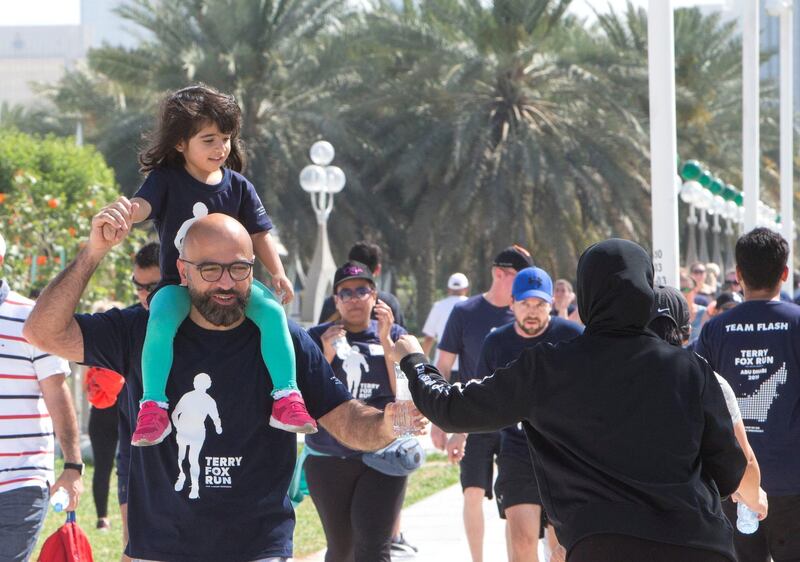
x: 613, y: 419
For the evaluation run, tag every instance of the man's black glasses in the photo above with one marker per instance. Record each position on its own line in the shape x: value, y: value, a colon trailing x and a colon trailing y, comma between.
x: 147, y: 287
x: 212, y: 272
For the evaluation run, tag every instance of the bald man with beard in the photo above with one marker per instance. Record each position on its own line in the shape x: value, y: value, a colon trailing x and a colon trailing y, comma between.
x: 238, y: 509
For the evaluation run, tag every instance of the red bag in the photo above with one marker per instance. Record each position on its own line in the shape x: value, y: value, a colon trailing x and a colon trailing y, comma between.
x: 68, y: 544
x: 102, y: 386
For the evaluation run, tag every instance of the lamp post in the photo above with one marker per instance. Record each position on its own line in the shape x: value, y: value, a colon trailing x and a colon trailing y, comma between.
x: 751, y: 151
x: 784, y: 10
x: 321, y: 181
x: 663, y: 141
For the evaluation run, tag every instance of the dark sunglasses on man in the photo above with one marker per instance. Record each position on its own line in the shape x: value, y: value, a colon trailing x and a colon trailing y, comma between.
x: 146, y: 287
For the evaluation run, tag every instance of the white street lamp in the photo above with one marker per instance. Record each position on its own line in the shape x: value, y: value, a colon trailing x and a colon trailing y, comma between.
x: 321, y: 181
x: 784, y: 10
x: 663, y: 141
x: 751, y: 151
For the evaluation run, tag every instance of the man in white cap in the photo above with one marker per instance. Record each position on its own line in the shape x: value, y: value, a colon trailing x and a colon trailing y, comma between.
x: 457, y: 291
x: 36, y: 403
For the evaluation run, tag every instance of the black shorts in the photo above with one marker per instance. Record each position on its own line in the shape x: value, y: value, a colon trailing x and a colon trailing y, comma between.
x: 477, y: 466
x: 516, y: 483
x: 777, y: 536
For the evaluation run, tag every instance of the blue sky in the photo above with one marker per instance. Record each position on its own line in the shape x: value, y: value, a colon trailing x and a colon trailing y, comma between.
x: 61, y: 12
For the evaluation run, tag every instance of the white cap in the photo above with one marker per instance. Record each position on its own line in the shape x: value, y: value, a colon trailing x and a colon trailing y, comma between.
x: 457, y: 281
x: 2, y: 246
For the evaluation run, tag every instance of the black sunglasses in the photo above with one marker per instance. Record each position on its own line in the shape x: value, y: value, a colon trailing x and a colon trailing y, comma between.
x: 147, y: 287
x: 360, y: 293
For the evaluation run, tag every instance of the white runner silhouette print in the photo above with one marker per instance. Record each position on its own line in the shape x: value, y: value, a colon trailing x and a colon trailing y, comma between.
x: 189, y: 419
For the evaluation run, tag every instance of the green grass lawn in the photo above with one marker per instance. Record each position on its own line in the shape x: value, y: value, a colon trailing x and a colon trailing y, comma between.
x: 435, y: 475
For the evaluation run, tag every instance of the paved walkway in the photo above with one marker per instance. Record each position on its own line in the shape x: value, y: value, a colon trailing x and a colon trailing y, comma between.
x: 434, y: 525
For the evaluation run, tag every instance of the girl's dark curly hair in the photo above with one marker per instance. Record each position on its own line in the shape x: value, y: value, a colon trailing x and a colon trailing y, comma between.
x: 183, y: 114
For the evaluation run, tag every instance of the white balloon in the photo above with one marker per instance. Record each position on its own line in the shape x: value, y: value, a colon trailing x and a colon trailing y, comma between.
x: 704, y: 199
x: 335, y: 179
x: 687, y: 192
x: 321, y: 153
x: 313, y: 179
x: 718, y: 206
x: 733, y: 210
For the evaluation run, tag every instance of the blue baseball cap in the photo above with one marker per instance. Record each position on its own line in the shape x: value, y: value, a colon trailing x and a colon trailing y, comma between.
x: 532, y: 282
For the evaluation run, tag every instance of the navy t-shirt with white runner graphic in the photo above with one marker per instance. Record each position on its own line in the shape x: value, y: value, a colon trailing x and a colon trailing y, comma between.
x: 505, y: 345
x: 756, y: 348
x: 216, y: 488
x: 177, y: 199
x: 363, y: 372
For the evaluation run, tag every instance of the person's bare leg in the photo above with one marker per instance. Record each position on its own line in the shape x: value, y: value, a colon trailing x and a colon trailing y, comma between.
x: 557, y: 552
x: 523, y: 523
x: 473, y: 521
x: 123, y: 511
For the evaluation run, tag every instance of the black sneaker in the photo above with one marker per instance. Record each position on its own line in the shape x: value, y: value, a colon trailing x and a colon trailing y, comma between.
x: 401, y: 547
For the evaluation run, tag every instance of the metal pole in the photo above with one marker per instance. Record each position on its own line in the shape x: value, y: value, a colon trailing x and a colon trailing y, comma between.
x: 663, y: 141
x: 751, y: 153
x: 787, y: 148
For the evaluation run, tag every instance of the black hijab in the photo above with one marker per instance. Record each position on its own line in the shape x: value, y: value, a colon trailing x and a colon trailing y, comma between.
x: 615, y: 288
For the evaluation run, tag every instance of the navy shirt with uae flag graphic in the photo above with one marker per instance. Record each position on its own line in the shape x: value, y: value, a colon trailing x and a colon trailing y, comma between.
x: 215, y: 489
x: 756, y: 348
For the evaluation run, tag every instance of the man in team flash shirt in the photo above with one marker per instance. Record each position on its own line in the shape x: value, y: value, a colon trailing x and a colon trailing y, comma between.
x: 516, y: 489
x: 755, y: 347
x: 223, y: 494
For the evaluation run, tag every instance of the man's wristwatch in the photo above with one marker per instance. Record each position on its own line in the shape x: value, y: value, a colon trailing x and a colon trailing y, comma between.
x: 74, y: 466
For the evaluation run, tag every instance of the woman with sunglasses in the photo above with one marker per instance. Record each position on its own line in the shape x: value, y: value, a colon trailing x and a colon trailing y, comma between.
x: 357, y: 504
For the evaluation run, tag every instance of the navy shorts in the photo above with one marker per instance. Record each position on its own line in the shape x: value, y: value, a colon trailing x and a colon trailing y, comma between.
x: 477, y: 466
x: 516, y: 485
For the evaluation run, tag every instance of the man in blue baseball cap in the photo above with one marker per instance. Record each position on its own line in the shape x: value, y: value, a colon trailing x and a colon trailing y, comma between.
x: 516, y: 489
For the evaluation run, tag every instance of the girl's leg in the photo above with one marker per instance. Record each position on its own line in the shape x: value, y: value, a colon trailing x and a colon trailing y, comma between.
x: 277, y: 350
x: 169, y: 307
x: 276, y: 344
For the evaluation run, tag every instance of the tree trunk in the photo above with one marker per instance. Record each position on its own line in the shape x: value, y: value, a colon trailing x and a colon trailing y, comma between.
x: 426, y: 279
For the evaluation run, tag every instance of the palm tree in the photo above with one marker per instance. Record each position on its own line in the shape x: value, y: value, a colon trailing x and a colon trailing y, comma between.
x: 489, y: 130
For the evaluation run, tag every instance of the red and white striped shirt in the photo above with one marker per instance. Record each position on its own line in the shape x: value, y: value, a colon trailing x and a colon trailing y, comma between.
x: 26, y: 430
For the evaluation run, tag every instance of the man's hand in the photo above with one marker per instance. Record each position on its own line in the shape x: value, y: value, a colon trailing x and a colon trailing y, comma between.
x: 72, y: 482
x: 111, y: 225
x: 283, y: 287
x: 385, y: 318
x: 455, y: 447
x: 439, y: 437
x: 418, y: 421
x: 405, y: 345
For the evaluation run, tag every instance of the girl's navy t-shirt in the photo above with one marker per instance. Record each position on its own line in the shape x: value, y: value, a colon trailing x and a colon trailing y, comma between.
x: 177, y: 199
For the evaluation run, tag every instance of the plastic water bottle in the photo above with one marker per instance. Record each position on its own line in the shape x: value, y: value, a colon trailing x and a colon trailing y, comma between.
x: 403, y: 404
x: 342, y: 347
x: 60, y: 500
x: 746, y: 520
